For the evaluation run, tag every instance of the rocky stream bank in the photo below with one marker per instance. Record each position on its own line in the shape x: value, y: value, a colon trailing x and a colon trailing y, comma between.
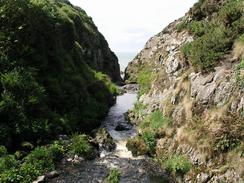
x: 113, y: 153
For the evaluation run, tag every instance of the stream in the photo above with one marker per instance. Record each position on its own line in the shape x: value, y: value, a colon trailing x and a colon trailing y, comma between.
x: 132, y: 169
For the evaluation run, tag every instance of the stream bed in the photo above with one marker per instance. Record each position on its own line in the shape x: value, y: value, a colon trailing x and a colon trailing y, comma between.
x: 132, y: 169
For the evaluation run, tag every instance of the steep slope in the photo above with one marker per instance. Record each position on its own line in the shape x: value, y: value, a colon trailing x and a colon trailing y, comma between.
x: 55, y: 71
x: 191, y: 105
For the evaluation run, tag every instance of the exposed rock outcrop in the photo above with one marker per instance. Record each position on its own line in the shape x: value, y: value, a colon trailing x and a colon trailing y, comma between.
x: 206, y: 107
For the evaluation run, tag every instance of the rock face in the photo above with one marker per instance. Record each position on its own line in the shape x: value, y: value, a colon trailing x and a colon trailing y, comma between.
x: 205, y: 107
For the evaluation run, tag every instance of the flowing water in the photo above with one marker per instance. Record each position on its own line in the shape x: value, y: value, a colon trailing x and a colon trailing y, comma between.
x: 133, y: 170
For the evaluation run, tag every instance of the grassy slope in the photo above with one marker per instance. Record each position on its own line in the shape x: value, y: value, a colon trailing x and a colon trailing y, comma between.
x: 49, y: 63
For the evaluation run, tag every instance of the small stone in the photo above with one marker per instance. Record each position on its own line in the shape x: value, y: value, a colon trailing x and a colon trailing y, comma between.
x: 52, y: 174
x: 39, y: 179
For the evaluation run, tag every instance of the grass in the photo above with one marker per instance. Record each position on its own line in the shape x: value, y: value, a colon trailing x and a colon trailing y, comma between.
x: 114, y: 176
x: 177, y: 164
x: 239, y: 73
x: 155, y: 120
x: 144, y: 79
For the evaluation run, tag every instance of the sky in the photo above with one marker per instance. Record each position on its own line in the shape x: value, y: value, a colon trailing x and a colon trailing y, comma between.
x: 128, y: 24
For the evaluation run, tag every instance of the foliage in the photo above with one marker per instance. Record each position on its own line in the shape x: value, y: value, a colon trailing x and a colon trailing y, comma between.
x: 49, y: 79
x: 80, y: 146
x: 137, y: 146
x: 177, y: 164
x: 239, y: 72
x: 215, y: 35
x: 3, y: 151
x: 197, y: 28
x: 155, y: 120
x: 144, y: 80
x: 114, y: 176
x: 225, y: 143
x: 150, y: 140
x: 40, y: 161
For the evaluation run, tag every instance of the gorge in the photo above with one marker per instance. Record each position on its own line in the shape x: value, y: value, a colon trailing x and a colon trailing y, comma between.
x: 178, y: 118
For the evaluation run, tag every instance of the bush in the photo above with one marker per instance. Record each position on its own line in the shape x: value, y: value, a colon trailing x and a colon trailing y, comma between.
x: 114, y: 176
x: 204, y: 52
x: 137, y: 146
x: 150, y: 140
x: 7, y: 162
x: 225, y: 143
x: 81, y: 147
x: 215, y: 35
x: 197, y: 28
x: 177, y: 164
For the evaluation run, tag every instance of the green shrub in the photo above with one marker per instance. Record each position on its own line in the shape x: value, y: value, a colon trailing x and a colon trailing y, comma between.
x: 225, y: 143
x: 239, y: 72
x: 81, y: 146
x: 7, y: 162
x: 177, y: 164
x: 231, y: 11
x: 3, y: 151
x: 150, y: 140
x: 114, y: 176
x: 197, y: 28
x: 137, y: 146
x: 204, y: 52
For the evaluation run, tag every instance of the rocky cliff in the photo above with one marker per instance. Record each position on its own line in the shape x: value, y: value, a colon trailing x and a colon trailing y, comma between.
x: 191, y: 102
x: 56, y: 70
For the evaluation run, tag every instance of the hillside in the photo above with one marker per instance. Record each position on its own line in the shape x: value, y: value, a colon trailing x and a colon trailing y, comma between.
x: 191, y: 99
x: 56, y: 70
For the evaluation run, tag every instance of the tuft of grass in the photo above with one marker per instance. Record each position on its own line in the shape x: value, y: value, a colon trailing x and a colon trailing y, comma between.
x: 239, y: 73
x: 114, y: 176
x: 177, y: 164
x: 155, y: 120
x: 144, y: 79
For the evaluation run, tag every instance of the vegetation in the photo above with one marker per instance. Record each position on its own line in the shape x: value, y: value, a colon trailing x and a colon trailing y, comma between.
x: 81, y: 147
x: 145, y: 142
x: 114, y: 176
x: 177, y: 164
x: 41, y: 160
x: 49, y: 80
x: 215, y: 36
x: 239, y: 71
x: 144, y: 80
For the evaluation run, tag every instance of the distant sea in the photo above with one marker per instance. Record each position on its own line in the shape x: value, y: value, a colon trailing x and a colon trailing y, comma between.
x: 125, y: 58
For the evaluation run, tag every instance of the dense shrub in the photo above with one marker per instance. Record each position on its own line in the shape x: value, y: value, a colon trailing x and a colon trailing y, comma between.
x: 177, y: 164
x: 50, y: 81
x: 40, y: 161
x: 215, y: 35
x: 150, y: 140
x: 81, y: 147
x: 137, y: 146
